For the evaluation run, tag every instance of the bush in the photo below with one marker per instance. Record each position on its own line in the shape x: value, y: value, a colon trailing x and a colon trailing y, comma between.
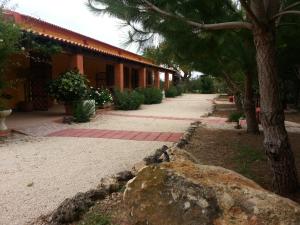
x: 151, y: 95
x: 68, y: 87
x: 235, y: 116
x: 83, y: 111
x: 207, y: 85
x: 179, y: 90
x: 128, y: 100
x: 203, y: 84
x: 101, y: 96
x: 171, y: 92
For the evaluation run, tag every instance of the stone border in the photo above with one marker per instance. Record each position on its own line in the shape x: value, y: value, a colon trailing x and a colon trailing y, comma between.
x: 71, y: 209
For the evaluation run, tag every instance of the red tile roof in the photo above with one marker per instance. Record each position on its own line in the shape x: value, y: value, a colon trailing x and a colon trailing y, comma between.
x: 54, y: 32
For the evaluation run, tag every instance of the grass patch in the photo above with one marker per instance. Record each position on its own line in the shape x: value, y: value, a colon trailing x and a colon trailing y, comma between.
x: 95, y: 219
x: 245, y: 158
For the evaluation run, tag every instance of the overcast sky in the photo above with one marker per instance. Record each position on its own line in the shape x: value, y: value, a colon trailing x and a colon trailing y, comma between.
x: 75, y: 15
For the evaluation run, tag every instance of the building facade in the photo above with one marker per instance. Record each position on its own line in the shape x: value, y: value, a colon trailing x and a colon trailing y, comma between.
x: 104, y: 65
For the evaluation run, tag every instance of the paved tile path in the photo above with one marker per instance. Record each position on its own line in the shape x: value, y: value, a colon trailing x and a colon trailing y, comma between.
x: 117, y: 134
x: 60, y: 160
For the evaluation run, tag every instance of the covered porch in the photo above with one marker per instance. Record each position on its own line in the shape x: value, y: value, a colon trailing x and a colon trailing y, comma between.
x: 101, y: 71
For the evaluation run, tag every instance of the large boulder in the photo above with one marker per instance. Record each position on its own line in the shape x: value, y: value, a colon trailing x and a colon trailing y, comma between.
x: 183, y: 192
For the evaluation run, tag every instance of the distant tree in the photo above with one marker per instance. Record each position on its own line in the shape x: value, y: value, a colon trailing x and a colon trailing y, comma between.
x: 165, y: 55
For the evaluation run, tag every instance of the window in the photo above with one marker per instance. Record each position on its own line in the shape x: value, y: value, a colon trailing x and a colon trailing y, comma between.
x: 126, y: 77
x: 149, y: 78
x: 134, y: 78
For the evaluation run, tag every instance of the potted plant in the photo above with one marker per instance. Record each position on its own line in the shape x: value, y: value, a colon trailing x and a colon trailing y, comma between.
x: 9, y: 44
x: 68, y: 89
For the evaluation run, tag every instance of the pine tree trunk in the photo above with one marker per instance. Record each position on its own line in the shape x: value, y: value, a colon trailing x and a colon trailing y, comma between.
x: 276, y: 139
x: 249, y: 106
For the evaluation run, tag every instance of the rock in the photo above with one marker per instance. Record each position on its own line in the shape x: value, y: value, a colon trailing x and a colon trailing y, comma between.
x: 157, y: 156
x: 68, y: 119
x: 124, y: 176
x: 182, y: 142
x: 185, y: 193
x: 137, y: 167
x: 177, y: 154
x: 72, y: 208
x: 110, y: 184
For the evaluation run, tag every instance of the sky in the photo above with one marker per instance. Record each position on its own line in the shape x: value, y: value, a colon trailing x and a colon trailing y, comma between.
x: 75, y: 15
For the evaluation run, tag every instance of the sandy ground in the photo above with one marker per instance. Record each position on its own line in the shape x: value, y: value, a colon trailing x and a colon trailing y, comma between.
x: 37, y: 174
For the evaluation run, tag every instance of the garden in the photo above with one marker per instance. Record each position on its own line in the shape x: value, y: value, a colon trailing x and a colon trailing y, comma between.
x: 81, y: 100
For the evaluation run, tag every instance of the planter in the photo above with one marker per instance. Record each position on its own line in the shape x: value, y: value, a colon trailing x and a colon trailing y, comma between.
x: 3, y: 115
x: 91, y: 103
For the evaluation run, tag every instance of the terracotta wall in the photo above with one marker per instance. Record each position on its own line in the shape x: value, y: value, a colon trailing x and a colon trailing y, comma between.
x: 93, y: 66
x: 60, y: 64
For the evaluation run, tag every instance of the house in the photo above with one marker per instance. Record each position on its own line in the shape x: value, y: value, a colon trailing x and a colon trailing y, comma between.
x: 103, y: 64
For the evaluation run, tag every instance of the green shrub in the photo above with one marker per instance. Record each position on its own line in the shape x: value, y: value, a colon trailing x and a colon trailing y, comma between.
x: 128, y: 100
x: 179, y: 90
x: 235, y: 116
x: 68, y: 87
x: 207, y: 85
x: 171, y: 92
x: 83, y: 111
x: 151, y: 95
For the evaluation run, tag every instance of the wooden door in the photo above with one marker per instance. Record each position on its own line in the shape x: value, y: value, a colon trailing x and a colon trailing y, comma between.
x: 41, y: 72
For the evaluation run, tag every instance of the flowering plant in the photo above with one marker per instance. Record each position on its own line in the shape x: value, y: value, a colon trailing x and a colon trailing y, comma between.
x: 68, y: 87
x: 100, y: 95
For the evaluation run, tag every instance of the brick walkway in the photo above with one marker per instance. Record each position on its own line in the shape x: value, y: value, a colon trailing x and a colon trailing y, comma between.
x: 118, y: 134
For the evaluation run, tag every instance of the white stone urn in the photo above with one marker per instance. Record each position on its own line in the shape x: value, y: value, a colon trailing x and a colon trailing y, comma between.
x: 92, y: 104
x: 3, y: 115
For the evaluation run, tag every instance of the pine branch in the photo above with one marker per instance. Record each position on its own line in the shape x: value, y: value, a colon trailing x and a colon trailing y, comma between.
x: 283, y: 13
x: 291, y: 6
x: 202, y: 26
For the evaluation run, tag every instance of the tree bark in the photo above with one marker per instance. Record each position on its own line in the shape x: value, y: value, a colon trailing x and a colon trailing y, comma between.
x: 249, y: 106
x: 276, y: 141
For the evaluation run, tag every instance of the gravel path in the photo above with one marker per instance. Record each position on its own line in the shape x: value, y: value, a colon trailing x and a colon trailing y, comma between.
x: 39, y: 173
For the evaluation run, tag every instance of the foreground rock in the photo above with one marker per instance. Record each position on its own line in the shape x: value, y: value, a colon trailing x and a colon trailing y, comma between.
x: 185, y: 193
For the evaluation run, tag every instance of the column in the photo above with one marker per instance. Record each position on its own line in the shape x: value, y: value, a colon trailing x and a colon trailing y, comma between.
x: 119, y: 77
x: 167, y: 81
x: 142, y: 78
x: 156, y: 79
x: 77, y: 63
x: 130, y: 78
